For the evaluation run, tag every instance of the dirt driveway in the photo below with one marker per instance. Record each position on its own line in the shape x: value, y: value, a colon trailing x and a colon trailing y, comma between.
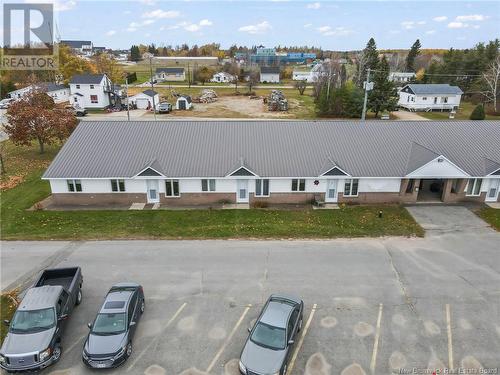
x: 409, y: 116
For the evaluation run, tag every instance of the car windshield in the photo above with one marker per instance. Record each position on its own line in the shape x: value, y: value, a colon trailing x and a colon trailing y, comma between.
x: 269, y: 336
x: 109, y: 324
x: 29, y: 321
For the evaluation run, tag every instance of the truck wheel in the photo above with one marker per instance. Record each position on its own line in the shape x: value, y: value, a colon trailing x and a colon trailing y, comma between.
x: 79, y: 297
x: 129, y: 349
x: 56, y: 354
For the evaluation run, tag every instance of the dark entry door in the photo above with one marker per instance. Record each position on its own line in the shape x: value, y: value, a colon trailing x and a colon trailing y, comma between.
x: 182, y: 104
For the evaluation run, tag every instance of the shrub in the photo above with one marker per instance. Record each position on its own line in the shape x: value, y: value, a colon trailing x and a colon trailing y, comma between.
x: 260, y: 204
x: 478, y: 113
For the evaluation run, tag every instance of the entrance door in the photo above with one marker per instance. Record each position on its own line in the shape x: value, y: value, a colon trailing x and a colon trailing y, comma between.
x: 492, y: 195
x: 331, y: 191
x: 242, y: 193
x: 153, y: 195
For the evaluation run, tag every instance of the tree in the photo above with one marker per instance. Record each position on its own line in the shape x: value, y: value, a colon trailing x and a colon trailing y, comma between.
x: 412, y: 55
x: 104, y: 63
x: 301, y: 86
x: 478, y: 113
x: 135, y: 54
x: 368, y: 59
x: 491, y: 80
x: 253, y: 79
x: 383, y: 97
x: 204, y: 74
x: 36, y: 118
x: 345, y: 101
x: 70, y: 64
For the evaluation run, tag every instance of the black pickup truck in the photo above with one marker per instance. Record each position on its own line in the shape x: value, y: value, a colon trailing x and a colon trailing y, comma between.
x: 34, y: 338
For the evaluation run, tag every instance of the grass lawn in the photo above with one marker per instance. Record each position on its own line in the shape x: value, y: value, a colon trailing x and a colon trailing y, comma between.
x: 8, y: 305
x: 491, y: 216
x: 17, y: 223
x: 463, y: 113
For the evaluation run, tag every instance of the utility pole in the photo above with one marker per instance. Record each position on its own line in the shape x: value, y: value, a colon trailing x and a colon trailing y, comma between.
x: 150, y: 56
x: 189, y: 77
x: 126, y: 90
x: 368, y: 86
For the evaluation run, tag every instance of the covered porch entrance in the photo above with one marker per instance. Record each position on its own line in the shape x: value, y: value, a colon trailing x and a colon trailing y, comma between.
x: 431, y: 190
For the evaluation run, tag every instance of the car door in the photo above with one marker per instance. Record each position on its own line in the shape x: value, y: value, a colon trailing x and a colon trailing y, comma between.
x: 133, y: 309
x: 62, y: 310
x: 293, y: 323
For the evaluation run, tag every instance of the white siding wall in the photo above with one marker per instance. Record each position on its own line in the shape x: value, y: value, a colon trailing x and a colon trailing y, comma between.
x: 86, y: 91
x: 269, y: 77
x: 373, y: 185
x: 419, y: 102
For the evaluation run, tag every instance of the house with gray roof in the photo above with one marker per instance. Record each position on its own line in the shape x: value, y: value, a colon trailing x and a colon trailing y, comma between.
x: 430, y: 97
x: 270, y: 74
x: 170, y: 74
x: 81, y: 47
x: 60, y: 93
x: 91, y: 91
x: 188, y: 163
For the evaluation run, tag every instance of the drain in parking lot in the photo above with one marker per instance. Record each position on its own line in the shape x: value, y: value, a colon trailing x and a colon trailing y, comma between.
x: 354, y: 369
x: 155, y: 370
x: 397, y: 360
x: 363, y: 329
x: 317, y: 365
x: 328, y: 322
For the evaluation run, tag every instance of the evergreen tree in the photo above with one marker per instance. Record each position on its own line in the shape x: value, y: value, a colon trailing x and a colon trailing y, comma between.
x: 412, y: 55
x: 478, y: 113
x: 368, y: 59
x: 135, y: 54
x: 384, y: 95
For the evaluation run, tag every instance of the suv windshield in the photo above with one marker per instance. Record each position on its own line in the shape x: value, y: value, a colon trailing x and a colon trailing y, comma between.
x: 269, y: 336
x: 28, y: 321
x: 109, y: 324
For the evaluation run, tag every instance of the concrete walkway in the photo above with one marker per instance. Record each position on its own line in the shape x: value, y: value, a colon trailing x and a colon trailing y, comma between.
x: 409, y: 116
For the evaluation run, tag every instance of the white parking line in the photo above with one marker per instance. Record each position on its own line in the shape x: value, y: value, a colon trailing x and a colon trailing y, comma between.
x: 373, y: 363
x: 301, y: 341
x: 139, y: 356
x: 450, y: 341
x: 221, y: 350
x: 72, y: 346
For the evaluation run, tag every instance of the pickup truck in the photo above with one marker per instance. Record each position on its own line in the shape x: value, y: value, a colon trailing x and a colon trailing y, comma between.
x: 34, y: 338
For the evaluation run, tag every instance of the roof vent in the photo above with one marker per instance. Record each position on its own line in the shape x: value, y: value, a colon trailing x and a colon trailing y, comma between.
x: 440, y: 160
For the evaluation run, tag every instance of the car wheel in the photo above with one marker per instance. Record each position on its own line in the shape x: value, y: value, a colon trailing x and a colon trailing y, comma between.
x: 56, y: 354
x: 79, y: 297
x: 143, y: 306
x: 128, y: 351
x: 284, y: 370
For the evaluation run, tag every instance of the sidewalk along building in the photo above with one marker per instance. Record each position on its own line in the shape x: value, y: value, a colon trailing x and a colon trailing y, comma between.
x: 188, y: 163
x: 430, y: 97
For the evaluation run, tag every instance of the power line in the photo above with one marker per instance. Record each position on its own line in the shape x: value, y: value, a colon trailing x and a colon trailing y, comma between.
x: 436, y: 74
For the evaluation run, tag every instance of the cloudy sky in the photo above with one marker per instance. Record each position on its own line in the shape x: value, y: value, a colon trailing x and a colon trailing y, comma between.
x: 338, y: 25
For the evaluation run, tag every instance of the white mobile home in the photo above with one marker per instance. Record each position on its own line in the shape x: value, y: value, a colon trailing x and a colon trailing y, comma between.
x: 430, y: 97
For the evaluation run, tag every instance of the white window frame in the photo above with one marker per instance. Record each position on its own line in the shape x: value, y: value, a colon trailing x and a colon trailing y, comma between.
x: 351, y: 182
x: 117, y: 182
x: 78, y: 86
x: 91, y: 86
x: 73, y: 182
x: 171, y: 182
x: 474, y: 186
x: 261, y: 180
x: 96, y: 101
x: 298, y: 185
x: 211, y: 185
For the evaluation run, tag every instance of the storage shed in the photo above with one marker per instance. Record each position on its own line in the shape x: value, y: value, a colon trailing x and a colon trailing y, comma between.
x: 184, y: 102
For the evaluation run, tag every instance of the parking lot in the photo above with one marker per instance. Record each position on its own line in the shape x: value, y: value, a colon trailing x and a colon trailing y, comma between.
x: 372, y: 306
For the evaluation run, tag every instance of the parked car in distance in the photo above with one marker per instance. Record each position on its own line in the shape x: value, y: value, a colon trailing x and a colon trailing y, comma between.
x: 5, y: 103
x: 78, y: 112
x: 269, y: 345
x: 34, y: 338
x: 164, y: 107
x: 109, y: 342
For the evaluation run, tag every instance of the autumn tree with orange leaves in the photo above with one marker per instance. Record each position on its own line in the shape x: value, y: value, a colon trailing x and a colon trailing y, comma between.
x: 35, y: 117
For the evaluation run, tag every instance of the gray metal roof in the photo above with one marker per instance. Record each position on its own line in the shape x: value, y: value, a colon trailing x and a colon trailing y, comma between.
x: 273, y: 148
x: 434, y: 88
x: 41, y: 298
x: 270, y: 70
x: 170, y: 70
x: 149, y: 92
x: 87, y: 78
x: 76, y: 43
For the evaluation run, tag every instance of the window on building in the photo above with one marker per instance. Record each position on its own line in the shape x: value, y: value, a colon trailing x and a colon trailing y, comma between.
x: 74, y: 185
x: 91, y: 86
x: 454, y: 186
x: 298, y: 184
x: 118, y: 185
x: 351, y: 187
x: 77, y: 86
x: 424, y: 98
x: 93, y: 99
x: 172, y: 188
x: 262, y: 188
x: 208, y: 185
x: 474, y: 186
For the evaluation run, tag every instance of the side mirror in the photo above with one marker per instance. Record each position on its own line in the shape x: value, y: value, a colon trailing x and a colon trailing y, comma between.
x: 290, y: 342
x: 249, y: 329
x: 63, y: 317
x: 132, y: 324
x: 89, y: 325
x: 6, y: 322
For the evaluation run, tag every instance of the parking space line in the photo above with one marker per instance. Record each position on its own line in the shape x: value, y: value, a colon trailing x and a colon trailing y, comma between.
x: 301, y: 340
x: 72, y: 346
x: 373, y: 362
x: 155, y: 340
x: 228, y: 339
x: 450, y: 341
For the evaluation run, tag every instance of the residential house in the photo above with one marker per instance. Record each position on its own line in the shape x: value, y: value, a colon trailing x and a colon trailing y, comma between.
x: 91, y: 91
x: 270, y: 74
x: 60, y: 93
x: 184, y: 102
x: 401, y: 77
x: 223, y: 77
x: 170, y: 74
x: 312, y: 75
x: 145, y: 100
x: 288, y: 162
x: 81, y: 47
x: 430, y: 97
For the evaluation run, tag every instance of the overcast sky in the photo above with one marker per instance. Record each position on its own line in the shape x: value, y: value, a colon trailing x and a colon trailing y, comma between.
x: 337, y: 25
